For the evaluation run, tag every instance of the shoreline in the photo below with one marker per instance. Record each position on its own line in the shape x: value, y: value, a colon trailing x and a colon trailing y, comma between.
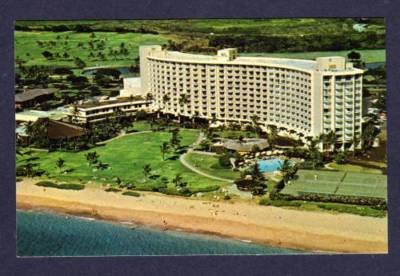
x: 134, y: 225
x: 272, y: 226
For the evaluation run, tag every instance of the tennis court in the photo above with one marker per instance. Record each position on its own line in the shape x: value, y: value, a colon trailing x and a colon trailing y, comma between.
x: 339, y: 183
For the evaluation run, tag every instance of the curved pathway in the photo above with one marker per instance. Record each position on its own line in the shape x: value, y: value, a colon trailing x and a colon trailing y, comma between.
x: 122, y: 135
x: 190, y: 167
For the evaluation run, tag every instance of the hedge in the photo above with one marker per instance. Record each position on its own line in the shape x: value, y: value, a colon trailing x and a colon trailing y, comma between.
x: 131, y: 193
x: 111, y: 189
x: 279, y: 203
x: 377, y: 203
x: 68, y: 186
x: 337, y: 207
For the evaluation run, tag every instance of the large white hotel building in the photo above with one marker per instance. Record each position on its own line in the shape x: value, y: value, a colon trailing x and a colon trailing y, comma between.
x: 306, y: 96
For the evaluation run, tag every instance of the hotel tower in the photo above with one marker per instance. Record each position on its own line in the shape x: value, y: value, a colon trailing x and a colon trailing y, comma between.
x: 306, y: 97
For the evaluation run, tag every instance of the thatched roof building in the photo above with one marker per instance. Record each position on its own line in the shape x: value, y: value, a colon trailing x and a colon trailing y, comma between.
x: 247, y: 145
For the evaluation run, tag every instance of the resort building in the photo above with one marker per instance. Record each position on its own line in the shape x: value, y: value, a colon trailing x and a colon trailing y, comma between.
x: 307, y: 97
x: 31, y: 97
x: 96, y: 111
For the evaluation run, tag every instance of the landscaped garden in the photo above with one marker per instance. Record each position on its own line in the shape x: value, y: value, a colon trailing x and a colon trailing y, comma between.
x: 135, y: 160
x: 209, y: 164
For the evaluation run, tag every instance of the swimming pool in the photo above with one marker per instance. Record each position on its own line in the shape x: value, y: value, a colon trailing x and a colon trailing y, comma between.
x: 269, y: 165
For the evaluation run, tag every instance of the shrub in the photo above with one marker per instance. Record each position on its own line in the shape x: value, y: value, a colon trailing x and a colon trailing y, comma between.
x: 362, y: 211
x: 65, y: 186
x: 337, y: 207
x: 71, y: 186
x: 377, y: 203
x: 279, y: 203
x: 46, y: 184
x: 25, y: 170
x: 112, y: 189
x: 227, y: 197
x: 243, y: 184
x: 224, y: 160
x: 131, y: 193
x: 340, y: 158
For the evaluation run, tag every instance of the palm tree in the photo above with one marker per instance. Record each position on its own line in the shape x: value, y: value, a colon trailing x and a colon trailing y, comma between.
x: 272, y: 135
x: 60, y: 163
x: 165, y: 100
x: 330, y: 139
x: 164, y: 149
x: 356, y: 141
x: 75, y: 113
x: 146, y: 170
x: 213, y: 118
x: 149, y: 97
x: 287, y: 170
x: 254, y: 120
x: 368, y: 136
x: 92, y: 157
x: 178, y: 181
x: 183, y: 100
x: 119, y: 115
x: 28, y: 168
x: 30, y: 131
x: 175, y: 139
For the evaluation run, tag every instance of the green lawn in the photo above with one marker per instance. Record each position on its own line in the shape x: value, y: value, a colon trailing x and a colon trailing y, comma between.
x: 139, y: 126
x: 288, y: 26
x: 209, y: 165
x: 368, y: 56
x: 339, y: 183
x: 126, y: 157
x: 27, y: 48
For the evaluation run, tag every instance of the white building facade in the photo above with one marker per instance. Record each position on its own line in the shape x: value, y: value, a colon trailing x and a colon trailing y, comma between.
x: 303, y: 96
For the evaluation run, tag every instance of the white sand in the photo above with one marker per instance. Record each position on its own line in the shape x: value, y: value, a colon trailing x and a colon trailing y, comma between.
x: 247, y: 221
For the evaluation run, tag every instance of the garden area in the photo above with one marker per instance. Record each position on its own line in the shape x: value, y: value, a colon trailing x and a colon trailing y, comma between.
x: 209, y: 164
x: 134, y: 160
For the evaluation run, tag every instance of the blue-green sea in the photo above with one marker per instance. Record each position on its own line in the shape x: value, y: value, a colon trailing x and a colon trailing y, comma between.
x: 48, y: 234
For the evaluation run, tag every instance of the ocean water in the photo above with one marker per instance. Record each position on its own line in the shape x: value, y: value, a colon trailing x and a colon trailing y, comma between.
x: 48, y: 234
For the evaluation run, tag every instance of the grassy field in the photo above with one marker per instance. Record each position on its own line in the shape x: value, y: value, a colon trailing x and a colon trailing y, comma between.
x: 28, y: 49
x: 189, y: 32
x: 126, y: 157
x: 209, y: 165
x: 288, y: 27
x: 368, y: 56
x: 339, y: 183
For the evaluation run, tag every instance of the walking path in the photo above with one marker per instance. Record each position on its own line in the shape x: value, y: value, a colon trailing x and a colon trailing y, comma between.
x: 231, y: 189
x: 190, y: 167
x: 122, y: 135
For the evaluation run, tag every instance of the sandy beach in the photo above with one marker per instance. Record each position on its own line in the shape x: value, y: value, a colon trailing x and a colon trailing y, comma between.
x: 314, y: 231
